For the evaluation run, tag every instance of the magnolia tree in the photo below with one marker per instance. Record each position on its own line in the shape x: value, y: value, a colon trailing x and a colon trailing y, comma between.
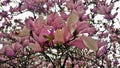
x: 59, y: 34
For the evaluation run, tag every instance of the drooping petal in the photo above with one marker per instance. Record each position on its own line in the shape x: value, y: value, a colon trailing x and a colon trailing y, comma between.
x: 90, y: 43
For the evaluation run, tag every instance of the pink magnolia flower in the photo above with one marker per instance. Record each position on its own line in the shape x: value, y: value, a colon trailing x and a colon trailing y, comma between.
x: 84, y: 27
x: 25, y: 42
x: 43, y: 32
x: 73, y: 25
x: 78, y: 6
x: 9, y: 51
x: 101, y: 51
x: 56, y: 30
x: 55, y: 21
x: 113, y: 37
x: 16, y: 46
x: 4, y: 15
x: 29, y: 23
x: 115, y: 62
x: 105, y: 9
x: 110, y: 16
x: 103, y: 35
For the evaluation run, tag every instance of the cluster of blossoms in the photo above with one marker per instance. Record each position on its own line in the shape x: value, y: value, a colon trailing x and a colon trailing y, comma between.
x: 60, y: 34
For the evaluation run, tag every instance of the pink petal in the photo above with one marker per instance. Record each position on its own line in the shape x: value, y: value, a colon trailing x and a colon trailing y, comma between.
x: 64, y: 15
x: 35, y: 47
x: 59, y: 36
x: 90, y: 43
x: 78, y: 43
x: 88, y: 30
x: 16, y: 46
x: 35, y: 36
x: 67, y: 33
x: 29, y: 24
x: 81, y: 25
x: 85, y: 17
x: 43, y: 32
x: 25, y: 32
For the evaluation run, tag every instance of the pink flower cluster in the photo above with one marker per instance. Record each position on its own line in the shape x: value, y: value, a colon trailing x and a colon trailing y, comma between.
x: 59, y: 34
x: 53, y: 30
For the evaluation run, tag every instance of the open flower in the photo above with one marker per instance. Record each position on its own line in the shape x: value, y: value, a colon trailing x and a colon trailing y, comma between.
x: 9, y: 51
x: 101, y: 51
x: 16, y: 46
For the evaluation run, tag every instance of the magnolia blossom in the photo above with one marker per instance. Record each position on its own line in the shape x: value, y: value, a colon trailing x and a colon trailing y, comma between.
x: 59, y: 34
x: 9, y: 52
x: 105, y: 9
x: 102, y: 51
x: 44, y: 31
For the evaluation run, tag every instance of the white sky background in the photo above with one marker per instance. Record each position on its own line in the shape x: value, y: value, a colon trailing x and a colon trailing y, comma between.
x: 99, y: 17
